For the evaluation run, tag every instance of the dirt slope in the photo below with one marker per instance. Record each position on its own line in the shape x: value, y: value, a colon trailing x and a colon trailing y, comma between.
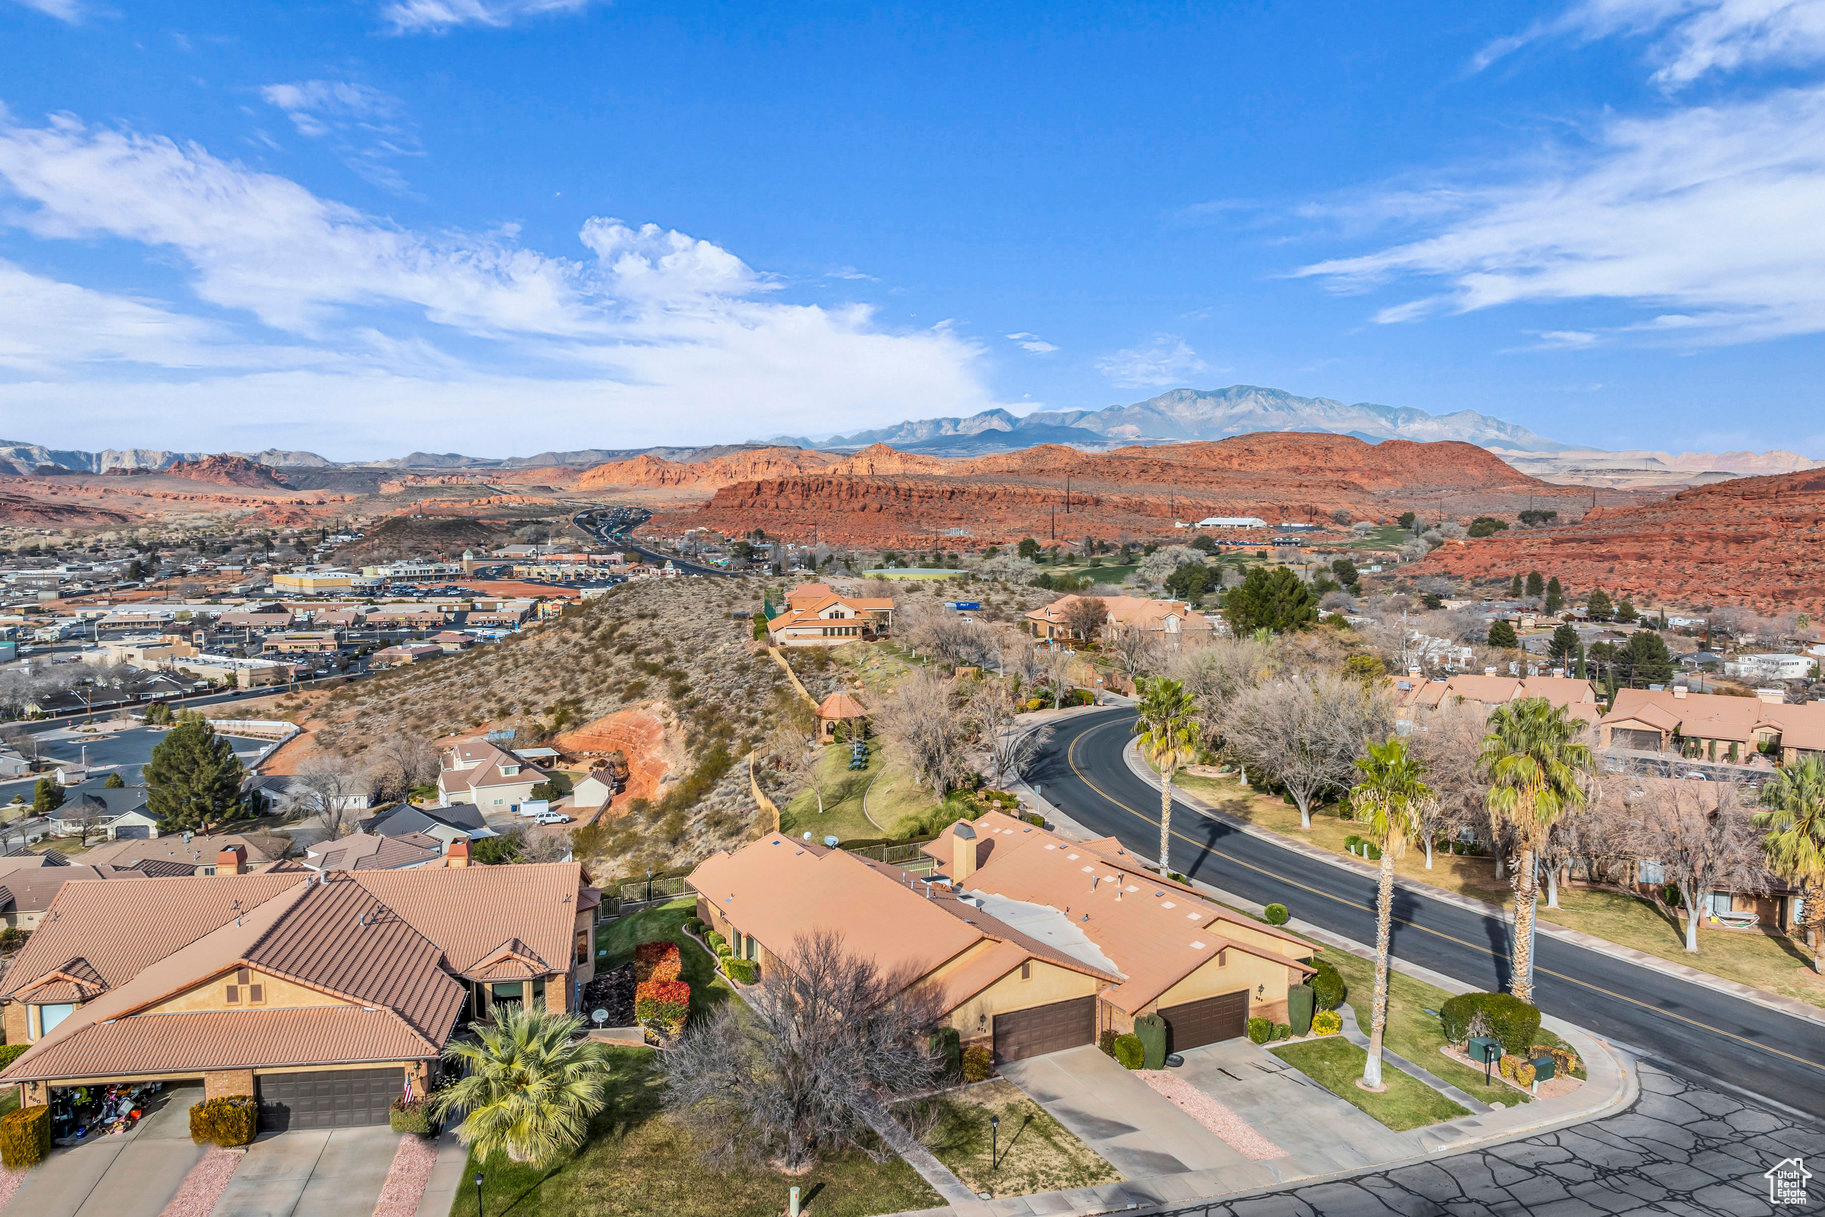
x: 1752, y: 541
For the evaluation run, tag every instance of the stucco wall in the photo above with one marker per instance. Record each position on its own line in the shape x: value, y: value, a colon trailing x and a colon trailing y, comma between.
x: 278, y: 993
x: 1046, y: 983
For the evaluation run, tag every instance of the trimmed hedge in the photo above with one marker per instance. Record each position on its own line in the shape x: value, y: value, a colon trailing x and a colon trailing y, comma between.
x: 948, y: 1047
x: 714, y: 941
x: 741, y: 971
x: 1260, y: 1030
x: 229, y: 1121
x: 978, y: 1063
x: 413, y: 1117
x: 1150, y: 1029
x: 1129, y: 1052
x: 1300, y: 1005
x: 25, y: 1137
x: 1327, y: 1022
x: 1282, y: 1031
x: 1328, y: 989
x: 1503, y: 1015
x: 11, y: 1052
x: 1276, y: 914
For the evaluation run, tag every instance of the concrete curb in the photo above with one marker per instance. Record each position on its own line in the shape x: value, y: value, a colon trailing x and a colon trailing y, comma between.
x: 1590, y: 942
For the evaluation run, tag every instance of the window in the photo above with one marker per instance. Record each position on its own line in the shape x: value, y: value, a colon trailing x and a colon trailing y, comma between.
x: 232, y: 995
x: 50, y: 1016
x: 1026, y: 969
x: 1652, y: 872
x: 582, y: 946
x: 256, y: 994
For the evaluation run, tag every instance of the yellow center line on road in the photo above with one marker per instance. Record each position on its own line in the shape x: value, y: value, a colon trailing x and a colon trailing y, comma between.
x: 1071, y: 759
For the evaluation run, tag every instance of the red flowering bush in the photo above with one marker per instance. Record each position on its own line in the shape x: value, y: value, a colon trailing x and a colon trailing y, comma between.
x: 657, y: 961
x: 662, y: 1003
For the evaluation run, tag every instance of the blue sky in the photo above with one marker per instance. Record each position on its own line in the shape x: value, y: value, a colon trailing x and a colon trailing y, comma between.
x: 500, y: 226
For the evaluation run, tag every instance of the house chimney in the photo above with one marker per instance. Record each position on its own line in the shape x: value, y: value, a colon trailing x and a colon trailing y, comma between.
x: 1679, y: 692
x: 963, y: 852
x: 458, y: 852
x: 231, y: 860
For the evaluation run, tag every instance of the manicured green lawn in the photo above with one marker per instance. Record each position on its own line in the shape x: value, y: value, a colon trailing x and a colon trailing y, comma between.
x: 1750, y: 957
x: 1097, y: 574
x: 1335, y: 1064
x: 1037, y: 1153
x: 619, y: 938
x: 9, y: 1099
x: 637, y: 1163
x: 844, y: 789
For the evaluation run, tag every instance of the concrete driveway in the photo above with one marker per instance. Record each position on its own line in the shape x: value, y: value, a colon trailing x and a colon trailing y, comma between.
x: 131, y: 1175
x: 311, y: 1173
x: 1119, y: 1116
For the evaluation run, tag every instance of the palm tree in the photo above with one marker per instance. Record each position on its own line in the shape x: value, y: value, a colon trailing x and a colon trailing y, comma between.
x: 1537, y: 770
x: 1390, y: 801
x: 1795, y: 843
x: 1168, y: 728
x: 528, y: 1089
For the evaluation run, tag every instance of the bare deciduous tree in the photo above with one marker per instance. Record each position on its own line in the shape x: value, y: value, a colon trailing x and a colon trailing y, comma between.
x: 1010, y: 744
x: 1450, y: 742
x: 948, y: 637
x: 1138, y: 651
x: 325, y: 792
x: 1218, y: 673
x: 807, y: 1070
x: 400, y: 763
x: 1085, y: 617
x: 1701, y: 835
x: 798, y: 758
x: 1056, y: 664
x: 1305, y: 733
x: 920, y: 719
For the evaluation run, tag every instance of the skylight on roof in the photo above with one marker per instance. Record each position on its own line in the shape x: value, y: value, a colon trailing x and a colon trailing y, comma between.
x: 1089, y: 870
x: 1197, y: 944
x: 1133, y: 888
x: 1191, y: 916
x: 1051, y: 846
x: 1072, y: 857
x: 1167, y: 904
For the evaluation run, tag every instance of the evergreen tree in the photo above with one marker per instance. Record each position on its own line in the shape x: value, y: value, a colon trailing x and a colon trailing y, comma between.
x: 1563, y: 646
x: 1645, y: 660
x: 1625, y: 612
x: 1555, y: 595
x: 1346, y: 571
x: 1600, y: 607
x: 115, y: 782
x: 1579, y: 670
x: 47, y: 796
x: 1273, y: 600
x: 1502, y: 636
x: 1536, y: 585
x: 1514, y: 588
x: 193, y: 780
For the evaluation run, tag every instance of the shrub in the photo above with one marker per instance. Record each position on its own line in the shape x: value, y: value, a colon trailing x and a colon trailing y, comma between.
x: 1564, y: 1059
x: 1260, y: 1030
x: 659, y: 961
x: 227, y: 1122
x: 1282, y: 1031
x: 413, y: 1117
x: 11, y: 1052
x: 1502, y: 1015
x: 948, y: 1047
x: 1276, y: 914
x: 1129, y: 1052
x: 978, y: 1062
x: 1035, y: 819
x: 1106, y: 1041
x: 1352, y: 842
x: 1328, y: 989
x: 1151, y: 1031
x: 1327, y: 1022
x: 25, y: 1137
x: 662, y: 1004
x: 741, y: 971
x: 1299, y: 1007
x: 696, y: 925
x: 724, y: 951
x: 1524, y: 1073
x: 715, y: 941
x: 1371, y: 851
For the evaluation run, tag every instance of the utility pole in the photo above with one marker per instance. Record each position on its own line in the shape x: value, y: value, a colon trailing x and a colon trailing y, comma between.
x: 1067, y: 494
x: 1055, y: 521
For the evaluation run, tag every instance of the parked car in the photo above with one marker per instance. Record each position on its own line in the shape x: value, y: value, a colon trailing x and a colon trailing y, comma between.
x: 551, y: 817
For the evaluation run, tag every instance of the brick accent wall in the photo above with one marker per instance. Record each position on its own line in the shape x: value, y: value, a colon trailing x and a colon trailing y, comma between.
x: 225, y: 1082
x: 14, y: 1019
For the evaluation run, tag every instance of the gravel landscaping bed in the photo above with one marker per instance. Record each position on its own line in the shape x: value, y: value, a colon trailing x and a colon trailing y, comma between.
x: 405, y: 1186
x: 1231, y: 1128
x: 203, y: 1186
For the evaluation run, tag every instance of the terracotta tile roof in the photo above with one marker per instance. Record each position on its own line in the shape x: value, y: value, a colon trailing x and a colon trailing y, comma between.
x: 1155, y: 931
x: 512, y: 960
x: 1126, y: 610
x: 74, y: 981
x: 198, y: 851
x: 243, y: 1039
x: 1713, y: 716
x: 839, y: 706
x: 366, y: 851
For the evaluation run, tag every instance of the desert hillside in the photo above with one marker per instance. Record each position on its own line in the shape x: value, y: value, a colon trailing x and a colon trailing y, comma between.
x: 885, y: 497
x: 1754, y: 541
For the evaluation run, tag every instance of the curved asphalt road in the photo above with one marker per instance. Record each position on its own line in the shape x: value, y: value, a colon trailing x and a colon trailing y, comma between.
x: 1694, y: 1030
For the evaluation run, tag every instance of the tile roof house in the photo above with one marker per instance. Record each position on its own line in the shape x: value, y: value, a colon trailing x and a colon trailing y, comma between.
x: 1414, y: 695
x: 189, y: 853
x: 365, y: 851
x: 26, y: 893
x: 837, y: 709
x: 1174, y: 619
x: 1031, y: 943
x: 816, y: 616
x: 472, y: 770
x: 323, y: 994
x: 1713, y: 727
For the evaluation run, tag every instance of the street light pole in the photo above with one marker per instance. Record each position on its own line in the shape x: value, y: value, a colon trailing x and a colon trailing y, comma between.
x: 995, y: 1143
x: 649, y: 885
x: 478, y: 1194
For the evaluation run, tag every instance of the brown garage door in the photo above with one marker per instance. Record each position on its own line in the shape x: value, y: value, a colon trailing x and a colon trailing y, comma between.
x: 1205, y: 1022
x: 1063, y: 1024
x: 341, y: 1098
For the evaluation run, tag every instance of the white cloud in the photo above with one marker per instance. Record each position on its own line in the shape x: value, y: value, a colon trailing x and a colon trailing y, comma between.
x: 659, y: 336
x: 418, y: 16
x: 1712, y: 217
x: 363, y: 124
x: 1033, y: 343
x: 1690, y: 38
x: 63, y: 10
x: 1166, y: 360
x: 1572, y: 339
x: 850, y: 272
